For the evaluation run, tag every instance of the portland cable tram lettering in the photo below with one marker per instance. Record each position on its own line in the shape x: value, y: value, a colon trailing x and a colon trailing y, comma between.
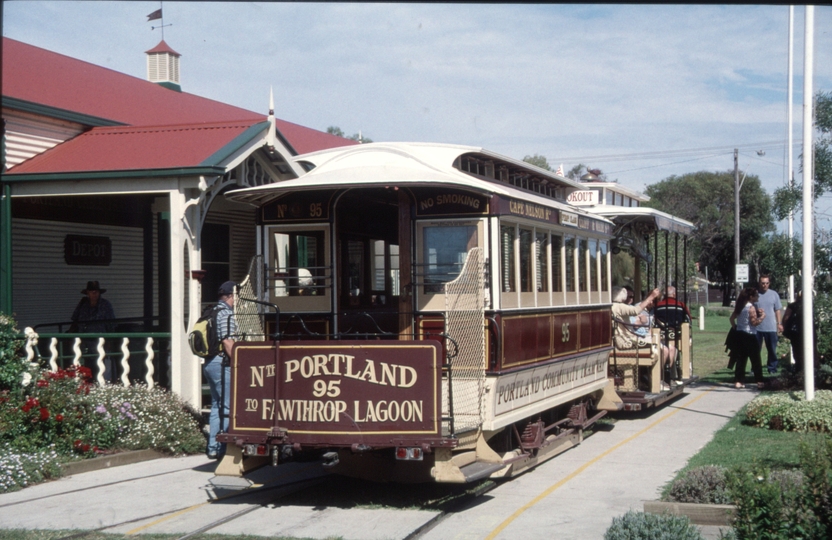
x: 339, y: 389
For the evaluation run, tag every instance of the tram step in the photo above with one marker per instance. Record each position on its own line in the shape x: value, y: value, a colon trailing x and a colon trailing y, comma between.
x: 479, y: 470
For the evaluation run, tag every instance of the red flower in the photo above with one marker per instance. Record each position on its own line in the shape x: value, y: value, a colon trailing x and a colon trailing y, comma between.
x: 77, y: 444
x: 44, y: 413
x: 30, y: 404
x: 59, y: 418
x: 43, y: 383
x: 85, y: 447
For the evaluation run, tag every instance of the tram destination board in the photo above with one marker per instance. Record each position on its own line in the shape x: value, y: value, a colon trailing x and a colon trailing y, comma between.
x: 337, y: 391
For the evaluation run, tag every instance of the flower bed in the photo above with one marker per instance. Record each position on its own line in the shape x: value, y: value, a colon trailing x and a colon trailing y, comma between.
x: 47, y: 418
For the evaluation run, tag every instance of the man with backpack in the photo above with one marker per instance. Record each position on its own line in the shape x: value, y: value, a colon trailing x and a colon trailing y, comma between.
x: 217, y: 368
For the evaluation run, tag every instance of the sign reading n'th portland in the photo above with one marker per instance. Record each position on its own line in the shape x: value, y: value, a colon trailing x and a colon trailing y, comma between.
x: 338, y: 388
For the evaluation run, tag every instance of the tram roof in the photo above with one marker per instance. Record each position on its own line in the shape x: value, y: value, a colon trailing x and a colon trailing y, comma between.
x: 650, y: 217
x: 410, y: 164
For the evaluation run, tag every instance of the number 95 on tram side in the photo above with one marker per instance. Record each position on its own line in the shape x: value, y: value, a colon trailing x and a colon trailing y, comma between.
x: 444, y: 315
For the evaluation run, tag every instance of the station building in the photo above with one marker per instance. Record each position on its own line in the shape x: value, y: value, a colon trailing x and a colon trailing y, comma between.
x: 113, y: 178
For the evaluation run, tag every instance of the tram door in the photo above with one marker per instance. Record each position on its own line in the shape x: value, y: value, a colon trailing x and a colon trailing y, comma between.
x: 369, y: 261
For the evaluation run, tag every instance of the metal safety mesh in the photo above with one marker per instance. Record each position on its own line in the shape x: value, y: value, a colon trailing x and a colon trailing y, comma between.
x: 463, y: 385
x: 249, y: 314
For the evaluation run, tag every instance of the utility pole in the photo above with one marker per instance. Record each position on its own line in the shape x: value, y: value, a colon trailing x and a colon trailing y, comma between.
x: 736, y: 220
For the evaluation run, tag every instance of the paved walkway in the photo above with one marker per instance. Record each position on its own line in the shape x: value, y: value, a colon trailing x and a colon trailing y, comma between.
x: 573, y: 496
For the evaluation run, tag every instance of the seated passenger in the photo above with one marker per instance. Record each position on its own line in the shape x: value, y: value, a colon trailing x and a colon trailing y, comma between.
x: 625, y: 335
x: 670, y: 300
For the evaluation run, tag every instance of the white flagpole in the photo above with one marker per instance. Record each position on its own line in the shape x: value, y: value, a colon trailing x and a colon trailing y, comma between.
x: 808, y: 184
x: 790, y: 168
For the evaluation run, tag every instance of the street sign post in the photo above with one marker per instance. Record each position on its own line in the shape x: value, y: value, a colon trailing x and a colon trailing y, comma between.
x: 741, y: 273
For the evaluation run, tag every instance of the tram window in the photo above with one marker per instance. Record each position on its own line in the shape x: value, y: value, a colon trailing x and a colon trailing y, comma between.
x: 377, y: 269
x: 603, y: 251
x: 557, y: 283
x: 507, y: 234
x: 298, y: 261
x: 569, y: 244
x: 526, y: 260
x: 582, y: 251
x: 593, y: 264
x: 541, y: 241
x: 445, y: 251
x: 395, y: 276
x: 355, y: 268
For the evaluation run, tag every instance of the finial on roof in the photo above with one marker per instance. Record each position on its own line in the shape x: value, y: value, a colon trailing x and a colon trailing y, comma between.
x: 271, y: 137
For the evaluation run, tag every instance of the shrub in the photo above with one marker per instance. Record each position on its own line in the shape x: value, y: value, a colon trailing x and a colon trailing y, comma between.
x: 145, y: 418
x: 785, y: 504
x: 789, y: 411
x: 702, y: 485
x: 640, y: 526
x: 12, y: 364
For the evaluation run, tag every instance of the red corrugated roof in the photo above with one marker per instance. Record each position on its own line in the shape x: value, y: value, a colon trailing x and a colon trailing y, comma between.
x: 46, y: 78
x: 135, y: 148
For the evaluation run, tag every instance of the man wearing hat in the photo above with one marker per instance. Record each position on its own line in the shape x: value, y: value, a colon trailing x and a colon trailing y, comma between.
x: 217, y: 370
x: 88, y: 317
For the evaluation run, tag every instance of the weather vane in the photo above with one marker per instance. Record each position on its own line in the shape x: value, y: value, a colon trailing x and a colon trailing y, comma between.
x: 157, y: 15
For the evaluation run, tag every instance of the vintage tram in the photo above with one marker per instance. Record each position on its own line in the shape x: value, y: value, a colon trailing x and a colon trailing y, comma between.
x: 420, y: 312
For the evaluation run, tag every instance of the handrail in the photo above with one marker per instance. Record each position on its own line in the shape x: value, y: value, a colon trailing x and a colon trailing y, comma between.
x: 61, y: 324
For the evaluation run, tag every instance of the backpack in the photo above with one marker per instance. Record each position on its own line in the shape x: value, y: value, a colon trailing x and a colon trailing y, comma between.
x: 203, y: 339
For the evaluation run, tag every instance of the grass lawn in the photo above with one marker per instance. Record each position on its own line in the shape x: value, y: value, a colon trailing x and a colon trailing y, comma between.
x: 708, y: 353
x: 736, y: 444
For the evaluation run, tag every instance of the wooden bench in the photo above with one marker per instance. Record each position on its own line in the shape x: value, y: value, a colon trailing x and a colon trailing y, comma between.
x: 627, y: 362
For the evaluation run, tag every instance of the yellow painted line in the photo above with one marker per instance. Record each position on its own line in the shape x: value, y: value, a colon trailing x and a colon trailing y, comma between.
x: 194, y: 507
x: 584, y: 467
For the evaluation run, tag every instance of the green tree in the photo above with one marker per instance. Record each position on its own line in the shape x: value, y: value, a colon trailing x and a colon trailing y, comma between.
x: 788, y: 199
x: 338, y: 132
x: 706, y: 199
x: 576, y: 172
x: 538, y: 161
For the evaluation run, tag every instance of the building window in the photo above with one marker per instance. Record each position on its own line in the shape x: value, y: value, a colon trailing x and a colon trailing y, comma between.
x: 216, y: 248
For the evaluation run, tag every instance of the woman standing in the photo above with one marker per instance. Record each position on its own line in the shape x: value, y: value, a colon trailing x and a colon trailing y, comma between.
x: 745, y: 319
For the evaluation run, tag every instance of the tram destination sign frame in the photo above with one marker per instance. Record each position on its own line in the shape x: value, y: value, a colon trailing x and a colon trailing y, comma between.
x: 337, y: 392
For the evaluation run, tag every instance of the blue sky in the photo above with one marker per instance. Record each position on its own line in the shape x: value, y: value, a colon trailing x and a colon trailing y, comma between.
x: 574, y: 83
